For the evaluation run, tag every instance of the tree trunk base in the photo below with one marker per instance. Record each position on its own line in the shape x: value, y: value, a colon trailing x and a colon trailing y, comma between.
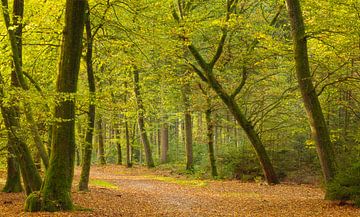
x: 35, y: 203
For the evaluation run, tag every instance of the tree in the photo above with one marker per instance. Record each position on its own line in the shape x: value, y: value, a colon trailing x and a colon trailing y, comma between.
x: 141, y: 122
x: 56, y: 191
x: 206, y: 73
x: 88, y: 146
x: 312, y: 105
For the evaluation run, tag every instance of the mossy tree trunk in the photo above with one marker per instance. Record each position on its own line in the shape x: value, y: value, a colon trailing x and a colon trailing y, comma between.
x: 55, y: 194
x: 141, y: 121
x: 313, y: 109
x: 88, y: 146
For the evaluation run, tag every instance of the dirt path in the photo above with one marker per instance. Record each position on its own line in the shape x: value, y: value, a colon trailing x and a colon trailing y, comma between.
x: 117, y: 191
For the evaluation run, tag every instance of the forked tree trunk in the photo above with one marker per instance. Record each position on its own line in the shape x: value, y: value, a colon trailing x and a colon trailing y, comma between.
x: 141, y: 121
x: 56, y: 191
x: 314, y: 112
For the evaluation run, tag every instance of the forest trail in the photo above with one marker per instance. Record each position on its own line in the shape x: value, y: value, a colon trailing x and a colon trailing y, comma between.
x: 118, y: 191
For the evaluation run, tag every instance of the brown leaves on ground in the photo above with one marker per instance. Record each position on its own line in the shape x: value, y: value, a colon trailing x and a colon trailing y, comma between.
x: 118, y: 191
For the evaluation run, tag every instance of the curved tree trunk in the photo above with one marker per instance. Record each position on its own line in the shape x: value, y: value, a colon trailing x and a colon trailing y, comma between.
x: 314, y: 112
x: 141, y: 121
x: 88, y: 146
x: 56, y: 191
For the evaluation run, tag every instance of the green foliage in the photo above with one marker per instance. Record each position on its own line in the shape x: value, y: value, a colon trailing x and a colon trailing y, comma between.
x: 346, y: 185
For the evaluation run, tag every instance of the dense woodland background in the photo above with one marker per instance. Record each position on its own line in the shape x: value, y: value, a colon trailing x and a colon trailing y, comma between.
x: 151, y: 104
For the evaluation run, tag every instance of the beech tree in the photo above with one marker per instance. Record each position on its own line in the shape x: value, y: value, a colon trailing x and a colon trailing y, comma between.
x: 55, y: 193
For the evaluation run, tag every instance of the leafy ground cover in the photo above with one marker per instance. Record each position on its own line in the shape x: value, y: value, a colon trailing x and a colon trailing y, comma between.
x: 118, y: 191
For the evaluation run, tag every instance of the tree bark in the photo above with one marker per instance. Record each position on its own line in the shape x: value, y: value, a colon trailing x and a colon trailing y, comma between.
x: 313, y: 109
x: 141, y: 121
x: 128, y: 145
x: 55, y: 194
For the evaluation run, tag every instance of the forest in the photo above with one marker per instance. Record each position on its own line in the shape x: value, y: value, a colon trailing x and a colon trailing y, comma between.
x: 180, y: 108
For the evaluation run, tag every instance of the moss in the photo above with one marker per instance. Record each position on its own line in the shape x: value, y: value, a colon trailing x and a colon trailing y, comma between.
x: 102, y: 183
x: 33, y: 202
x: 196, y: 183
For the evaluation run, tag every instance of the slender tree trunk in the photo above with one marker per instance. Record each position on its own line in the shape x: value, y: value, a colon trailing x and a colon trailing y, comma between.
x: 56, y: 191
x: 141, y: 121
x: 13, y: 181
x: 118, y: 146
x: 210, y: 136
x: 314, y: 112
x: 164, y: 142
x: 188, y: 128
x: 101, y: 129
x: 128, y: 145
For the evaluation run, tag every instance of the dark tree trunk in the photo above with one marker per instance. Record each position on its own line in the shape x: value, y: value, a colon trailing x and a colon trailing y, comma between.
x: 188, y: 128
x: 13, y: 181
x: 141, y: 121
x: 56, y: 191
x: 314, y: 112
x: 101, y: 129
x: 118, y: 146
x: 164, y: 142
x: 210, y: 136
x: 128, y: 146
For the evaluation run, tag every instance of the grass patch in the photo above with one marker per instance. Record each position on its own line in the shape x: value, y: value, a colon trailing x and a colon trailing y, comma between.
x: 196, y: 183
x: 102, y: 183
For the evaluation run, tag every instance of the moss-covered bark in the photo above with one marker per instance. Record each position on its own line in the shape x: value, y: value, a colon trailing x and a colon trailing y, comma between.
x: 314, y: 112
x: 55, y: 194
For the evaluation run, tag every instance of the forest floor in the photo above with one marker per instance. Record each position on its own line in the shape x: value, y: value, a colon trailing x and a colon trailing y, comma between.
x: 118, y: 191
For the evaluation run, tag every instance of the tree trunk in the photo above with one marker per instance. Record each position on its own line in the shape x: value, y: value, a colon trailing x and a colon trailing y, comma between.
x: 128, y: 146
x: 118, y: 146
x: 18, y: 77
x: 188, y: 128
x: 141, y: 121
x: 164, y: 131
x: 100, y: 129
x: 13, y: 181
x: 210, y: 136
x: 314, y: 112
x: 56, y: 191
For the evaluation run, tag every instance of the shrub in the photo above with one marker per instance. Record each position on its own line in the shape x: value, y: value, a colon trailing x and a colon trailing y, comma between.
x: 346, y: 185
